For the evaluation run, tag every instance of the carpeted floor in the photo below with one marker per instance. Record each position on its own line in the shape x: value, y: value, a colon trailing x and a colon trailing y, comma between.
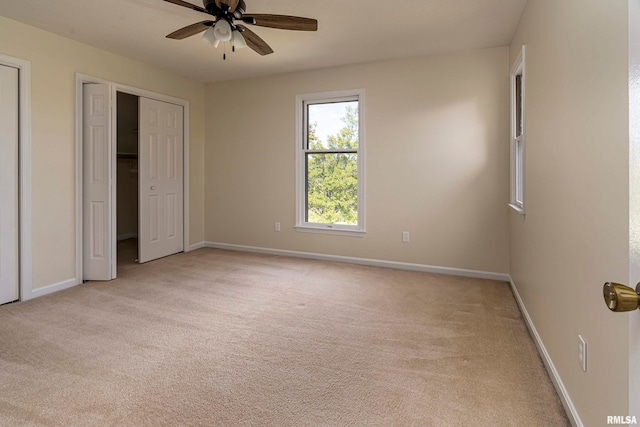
x: 225, y: 338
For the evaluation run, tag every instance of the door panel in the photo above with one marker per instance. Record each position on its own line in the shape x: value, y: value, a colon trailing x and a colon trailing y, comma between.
x: 97, y: 182
x: 161, y: 180
x: 9, y: 290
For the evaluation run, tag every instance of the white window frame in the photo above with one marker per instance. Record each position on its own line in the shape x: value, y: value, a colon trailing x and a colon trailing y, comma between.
x: 301, y: 134
x: 518, y: 141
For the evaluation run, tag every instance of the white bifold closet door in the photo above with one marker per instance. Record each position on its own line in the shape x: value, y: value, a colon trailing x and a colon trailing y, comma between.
x: 9, y: 267
x: 161, y: 180
x: 97, y: 200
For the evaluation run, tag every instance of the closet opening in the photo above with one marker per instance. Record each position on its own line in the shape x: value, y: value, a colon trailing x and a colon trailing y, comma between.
x: 127, y: 182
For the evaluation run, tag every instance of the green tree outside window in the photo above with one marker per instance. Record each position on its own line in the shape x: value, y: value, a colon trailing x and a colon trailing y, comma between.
x: 332, y: 178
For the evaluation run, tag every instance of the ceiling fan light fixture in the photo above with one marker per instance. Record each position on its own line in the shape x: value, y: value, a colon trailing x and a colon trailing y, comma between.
x: 223, y: 24
x: 210, y: 37
x: 238, y: 41
x: 222, y: 30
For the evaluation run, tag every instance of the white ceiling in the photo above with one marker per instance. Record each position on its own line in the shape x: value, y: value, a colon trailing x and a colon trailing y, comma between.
x: 350, y: 31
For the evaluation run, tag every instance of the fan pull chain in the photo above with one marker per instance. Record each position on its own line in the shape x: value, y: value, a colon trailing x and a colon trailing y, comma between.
x: 224, y: 55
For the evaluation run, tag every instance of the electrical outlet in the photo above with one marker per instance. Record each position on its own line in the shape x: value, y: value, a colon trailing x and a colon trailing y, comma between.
x: 405, y: 237
x: 582, y: 352
x: 277, y: 227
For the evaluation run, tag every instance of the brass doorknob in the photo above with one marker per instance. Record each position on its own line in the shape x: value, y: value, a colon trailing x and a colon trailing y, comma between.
x: 620, y: 297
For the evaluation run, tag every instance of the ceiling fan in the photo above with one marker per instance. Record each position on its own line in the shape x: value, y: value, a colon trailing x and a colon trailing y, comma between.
x: 223, y: 28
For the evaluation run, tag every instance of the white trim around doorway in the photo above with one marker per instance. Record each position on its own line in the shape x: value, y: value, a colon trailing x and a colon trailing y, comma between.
x: 117, y: 87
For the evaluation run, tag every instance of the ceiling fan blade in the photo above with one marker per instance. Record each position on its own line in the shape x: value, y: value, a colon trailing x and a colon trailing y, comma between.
x: 254, y: 41
x: 187, y: 5
x: 190, y: 30
x: 283, y: 22
x: 231, y: 3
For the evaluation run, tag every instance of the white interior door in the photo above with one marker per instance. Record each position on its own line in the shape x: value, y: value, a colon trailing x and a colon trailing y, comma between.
x: 9, y: 290
x: 97, y: 200
x: 161, y: 193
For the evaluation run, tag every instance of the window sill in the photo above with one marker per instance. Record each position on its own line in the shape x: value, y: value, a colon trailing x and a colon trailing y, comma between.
x: 327, y: 230
x: 517, y: 209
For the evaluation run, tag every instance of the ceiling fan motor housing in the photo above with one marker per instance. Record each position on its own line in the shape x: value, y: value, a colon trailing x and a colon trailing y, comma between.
x: 212, y: 8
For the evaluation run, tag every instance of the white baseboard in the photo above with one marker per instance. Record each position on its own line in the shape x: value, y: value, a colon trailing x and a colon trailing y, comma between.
x: 196, y: 246
x: 127, y: 236
x: 571, y: 411
x: 364, y: 261
x: 49, y: 289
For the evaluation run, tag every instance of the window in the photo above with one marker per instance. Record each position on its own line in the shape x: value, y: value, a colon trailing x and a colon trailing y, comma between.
x: 518, y: 134
x: 330, y: 162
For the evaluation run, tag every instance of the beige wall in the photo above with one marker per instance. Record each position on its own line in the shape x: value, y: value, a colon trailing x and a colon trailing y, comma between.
x: 436, y: 160
x: 54, y: 62
x: 575, y: 234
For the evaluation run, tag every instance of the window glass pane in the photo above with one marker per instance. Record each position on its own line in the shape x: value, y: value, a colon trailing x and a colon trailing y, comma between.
x: 332, y: 188
x: 332, y: 125
x: 518, y: 106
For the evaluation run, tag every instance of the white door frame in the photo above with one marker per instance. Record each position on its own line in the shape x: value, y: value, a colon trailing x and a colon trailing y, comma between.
x: 634, y: 200
x: 117, y: 87
x: 24, y: 172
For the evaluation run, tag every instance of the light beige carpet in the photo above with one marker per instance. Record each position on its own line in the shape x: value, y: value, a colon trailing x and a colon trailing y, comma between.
x: 233, y: 339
